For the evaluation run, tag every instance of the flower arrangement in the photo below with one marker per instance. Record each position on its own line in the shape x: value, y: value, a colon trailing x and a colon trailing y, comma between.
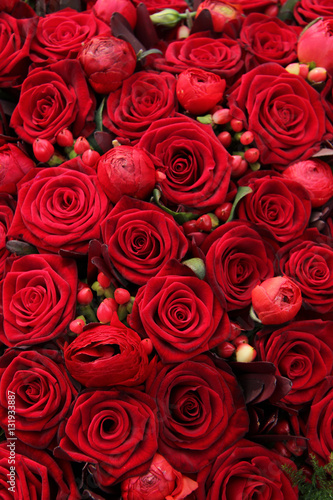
x: 166, y: 251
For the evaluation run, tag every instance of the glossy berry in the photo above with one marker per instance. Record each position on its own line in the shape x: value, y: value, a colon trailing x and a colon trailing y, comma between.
x: 238, y: 166
x: 103, y: 280
x: 240, y: 339
x: 65, y: 138
x: 84, y: 296
x: 236, y: 125
x: 245, y: 353
x: 43, y: 149
x: 106, y: 309
x: 90, y: 157
x: 221, y: 116
x: 317, y: 75
x: 225, y: 138
x: 121, y: 296
x: 147, y: 345
x: 225, y: 350
x: 204, y: 223
x: 81, y: 145
x: 76, y: 326
x: 223, y: 211
x: 252, y: 155
x: 190, y: 226
x: 246, y: 138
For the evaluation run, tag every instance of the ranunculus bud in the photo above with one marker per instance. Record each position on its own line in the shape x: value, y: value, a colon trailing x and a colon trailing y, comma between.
x: 105, y: 8
x: 198, y: 91
x: 126, y: 170
x: 316, y: 176
x: 221, y: 12
x: 14, y: 164
x: 159, y: 483
x: 276, y: 300
x: 107, y: 61
x: 316, y: 44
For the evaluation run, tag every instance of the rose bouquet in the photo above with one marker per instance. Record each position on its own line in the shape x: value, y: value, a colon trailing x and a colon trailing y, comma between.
x: 166, y: 251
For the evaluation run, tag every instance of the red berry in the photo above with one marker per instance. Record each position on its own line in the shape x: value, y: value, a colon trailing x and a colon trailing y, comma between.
x: 65, y: 138
x: 121, y: 296
x: 84, y: 296
x: 223, y: 211
x: 43, y: 149
x: 103, y: 280
x: 282, y: 427
x: 272, y: 11
x: 225, y: 350
x: 251, y: 155
x: 90, y: 157
x: 106, y: 309
x: 204, y: 223
x: 147, y: 345
x: 235, y: 331
x: 317, y: 75
x: 238, y: 166
x: 225, y: 138
x: 221, y: 116
x: 76, y: 326
x: 236, y: 125
x: 81, y: 145
x: 246, y: 138
x: 190, y: 226
x: 241, y: 339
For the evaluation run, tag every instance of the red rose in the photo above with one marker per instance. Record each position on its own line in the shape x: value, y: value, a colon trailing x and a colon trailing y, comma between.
x: 301, y: 351
x: 308, y: 261
x: 197, y: 167
x: 267, y: 39
x: 327, y: 102
x: 36, y: 474
x: 114, y: 429
x: 319, y: 422
x: 280, y: 205
x: 14, y: 164
x: 141, y: 238
x: 42, y: 395
x: 160, y: 482
x: 306, y: 11
x: 143, y: 98
x: 222, y: 56
x: 179, y: 313
x: 15, y: 40
x: 282, y: 110
x: 52, y: 99
x: 237, y: 260
x: 60, y: 35
x: 201, y: 412
x: 7, y: 208
x: 59, y: 208
x: 107, y: 355
x: 247, y: 470
x: 38, y: 299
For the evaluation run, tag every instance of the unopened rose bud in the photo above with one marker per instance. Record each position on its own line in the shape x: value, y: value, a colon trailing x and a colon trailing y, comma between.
x: 276, y: 300
x: 245, y: 353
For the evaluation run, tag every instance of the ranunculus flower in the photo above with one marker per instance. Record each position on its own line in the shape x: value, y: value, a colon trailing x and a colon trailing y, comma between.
x: 37, y: 474
x: 59, y: 208
x: 201, y: 412
x: 268, y: 39
x: 141, y: 238
x: 248, y: 470
x: 308, y: 261
x: 198, y: 91
x: 107, y: 355
x: 15, y: 41
x: 14, y: 164
x: 306, y: 11
x: 7, y: 209
x: 38, y: 299
x: 126, y: 170
x: 60, y: 35
x: 237, y: 260
x: 318, y: 428
x: 107, y: 61
x: 143, y: 98
x: 114, y: 429
x: 179, y: 313
x: 276, y: 300
x: 280, y: 205
x: 43, y: 395
x: 196, y: 165
x: 104, y: 9
x: 282, y: 110
x: 221, y: 12
x: 161, y: 482
x: 249, y: 6
x: 52, y: 99
x: 316, y: 176
x: 222, y: 56
x: 301, y: 351
x: 316, y: 44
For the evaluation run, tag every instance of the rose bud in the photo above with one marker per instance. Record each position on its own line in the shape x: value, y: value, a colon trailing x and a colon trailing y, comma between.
x: 104, y: 9
x: 276, y: 300
x: 160, y: 482
x: 126, y: 170
x: 316, y: 176
x: 221, y: 12
x: 107, y: 61
x: 198, y: 91
x: 316, y: 44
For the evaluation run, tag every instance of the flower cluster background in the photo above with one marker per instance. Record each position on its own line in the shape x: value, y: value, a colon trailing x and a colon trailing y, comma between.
x: 166, y: 256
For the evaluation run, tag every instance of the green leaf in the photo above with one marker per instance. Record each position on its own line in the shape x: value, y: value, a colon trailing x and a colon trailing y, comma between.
x: 142, y: 54
x: 309, y: 26
x: 287, y: 10
x: 179, y: 217
x: 197, y: 265
x: 20, y: 247
x: 99, y: 115
x: 242, y: 191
